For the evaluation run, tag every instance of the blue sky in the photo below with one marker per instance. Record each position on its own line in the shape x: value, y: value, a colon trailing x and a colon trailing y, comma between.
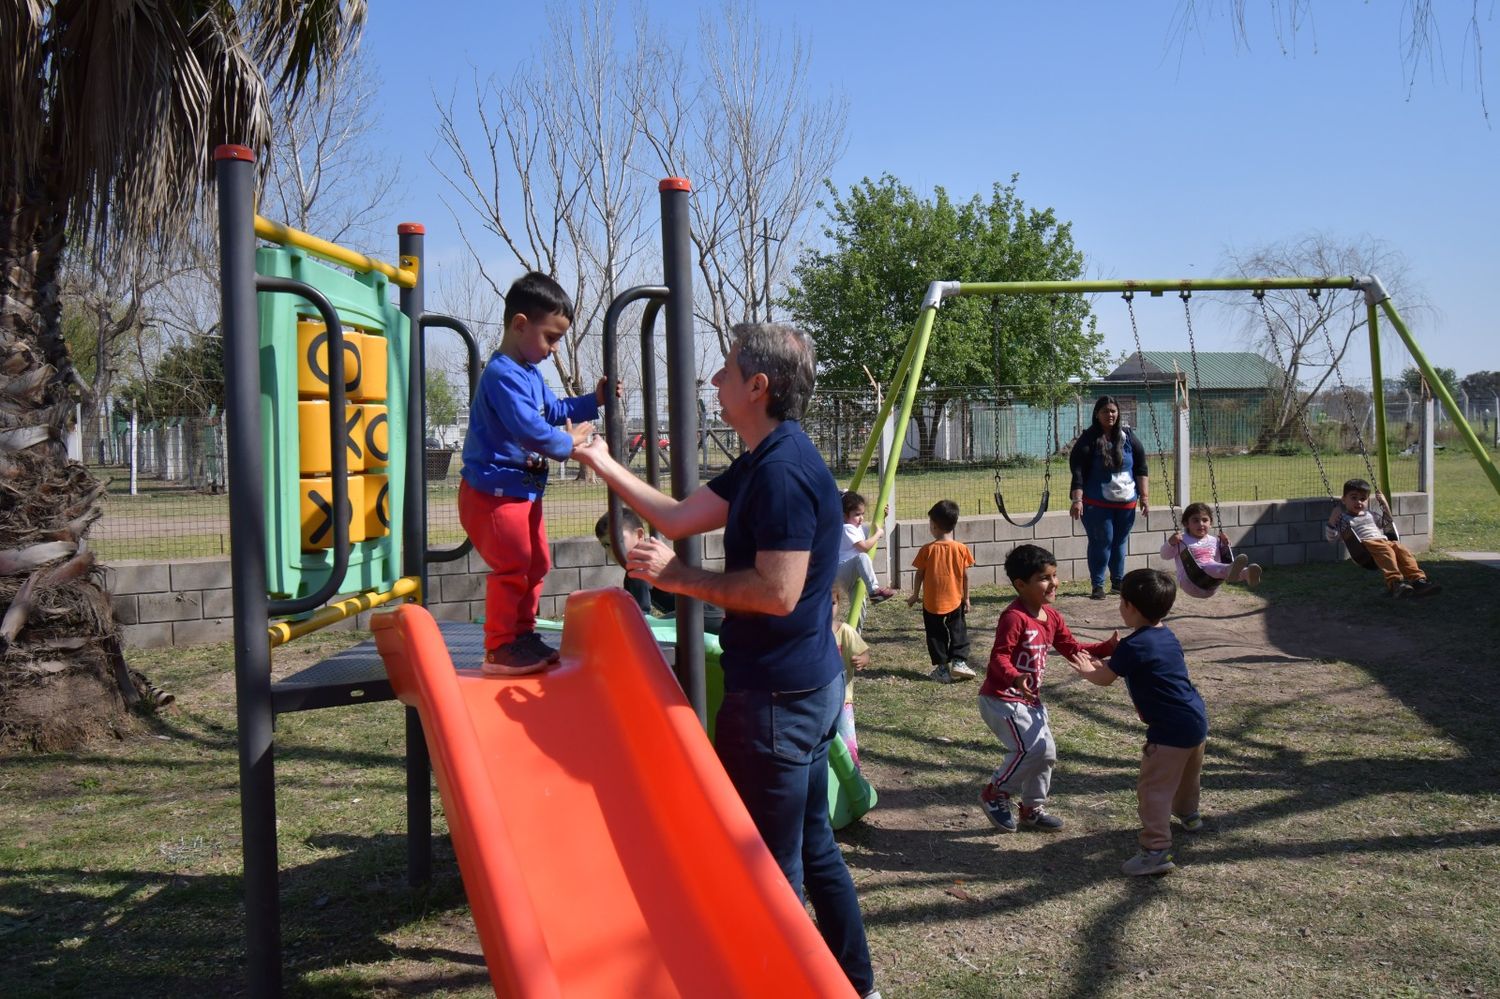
x: 1163, y: 155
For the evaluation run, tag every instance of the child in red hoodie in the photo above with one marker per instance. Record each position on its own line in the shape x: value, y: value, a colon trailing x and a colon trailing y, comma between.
x: 1010, y: 700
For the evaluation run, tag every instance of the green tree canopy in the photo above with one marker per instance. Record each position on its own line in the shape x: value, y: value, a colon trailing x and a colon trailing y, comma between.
x: 1481, y: 383
x: 860, y: 297
x: 1411, y: 380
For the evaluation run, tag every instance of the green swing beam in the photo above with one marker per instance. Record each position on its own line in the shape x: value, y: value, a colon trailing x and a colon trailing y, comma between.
x: 909, y: 372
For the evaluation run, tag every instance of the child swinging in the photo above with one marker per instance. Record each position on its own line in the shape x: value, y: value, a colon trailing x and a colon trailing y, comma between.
x: 1204, y: 561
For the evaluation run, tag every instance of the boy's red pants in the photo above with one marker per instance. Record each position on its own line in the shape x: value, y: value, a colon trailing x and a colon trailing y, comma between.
x: 511, y: 536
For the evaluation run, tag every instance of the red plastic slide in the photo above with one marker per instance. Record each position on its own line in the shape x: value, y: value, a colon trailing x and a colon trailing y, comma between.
x: 603, y: 849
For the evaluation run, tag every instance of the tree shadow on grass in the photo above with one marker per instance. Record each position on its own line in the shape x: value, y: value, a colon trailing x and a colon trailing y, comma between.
x: 86, y: 932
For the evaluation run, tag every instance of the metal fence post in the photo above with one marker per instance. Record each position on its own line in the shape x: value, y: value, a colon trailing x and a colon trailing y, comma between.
x: 1182, y: 445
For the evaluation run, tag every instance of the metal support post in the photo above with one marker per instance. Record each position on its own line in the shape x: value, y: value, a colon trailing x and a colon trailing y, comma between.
x: 414, y: 549
x: 682, y: 407
x: 235, y: 168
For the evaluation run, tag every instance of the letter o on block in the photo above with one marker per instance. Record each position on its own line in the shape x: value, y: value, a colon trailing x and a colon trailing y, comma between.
x: 312, y: 360
x: 372, y: 378
x: 377, y: 437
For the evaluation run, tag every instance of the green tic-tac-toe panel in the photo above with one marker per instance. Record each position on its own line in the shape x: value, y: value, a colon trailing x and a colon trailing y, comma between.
x: 295, y: 439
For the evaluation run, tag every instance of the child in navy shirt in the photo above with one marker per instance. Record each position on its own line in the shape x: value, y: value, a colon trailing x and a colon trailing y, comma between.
x: 513, y: 429
x: 1151, y: 661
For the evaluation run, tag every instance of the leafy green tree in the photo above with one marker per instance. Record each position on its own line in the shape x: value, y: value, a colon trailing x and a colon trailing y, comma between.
x: 861, y: 296
x: 187, y: 381
x: 1411, y: 380
x: 1481, y: 384
x: 442, y: 402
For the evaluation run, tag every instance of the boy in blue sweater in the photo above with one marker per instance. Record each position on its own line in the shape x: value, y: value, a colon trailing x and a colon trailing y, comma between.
x: 1155, y: 671
x: 515, y: 425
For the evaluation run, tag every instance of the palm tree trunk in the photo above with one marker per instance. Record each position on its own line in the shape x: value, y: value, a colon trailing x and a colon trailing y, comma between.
x: 62, y: 678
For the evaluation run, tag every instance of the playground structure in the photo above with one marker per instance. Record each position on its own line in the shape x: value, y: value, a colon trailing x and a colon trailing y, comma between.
x: 324, y: 382
x: 908, y: 375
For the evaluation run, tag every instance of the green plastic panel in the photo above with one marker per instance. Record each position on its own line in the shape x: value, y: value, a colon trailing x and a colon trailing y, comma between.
x: 361, y: 300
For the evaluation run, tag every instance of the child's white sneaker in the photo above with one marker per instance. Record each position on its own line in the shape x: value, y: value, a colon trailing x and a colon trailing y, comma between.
x: 1252, y: 574
x: 961, y: 670
x: 940, y: 674
x: 1237, y: 568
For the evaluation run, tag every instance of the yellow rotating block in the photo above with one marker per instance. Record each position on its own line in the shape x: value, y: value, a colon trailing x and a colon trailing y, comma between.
x: 317, y: 512
x: 376, y: 430
x: 377, y: 511
x: 372, y: 376
x: 312, y: 360
x: 312, y: 437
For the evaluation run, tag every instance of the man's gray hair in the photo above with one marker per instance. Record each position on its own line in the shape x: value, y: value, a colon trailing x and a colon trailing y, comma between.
x: 787, y: 357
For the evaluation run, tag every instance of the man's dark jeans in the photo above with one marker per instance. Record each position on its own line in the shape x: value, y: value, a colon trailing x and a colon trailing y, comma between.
x: 774, y: 746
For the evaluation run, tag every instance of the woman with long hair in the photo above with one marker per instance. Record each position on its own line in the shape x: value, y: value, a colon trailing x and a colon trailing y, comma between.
x: 1109, y: 485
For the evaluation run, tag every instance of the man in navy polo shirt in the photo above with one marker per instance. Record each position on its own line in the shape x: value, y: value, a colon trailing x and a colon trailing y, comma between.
x: 783, y: 678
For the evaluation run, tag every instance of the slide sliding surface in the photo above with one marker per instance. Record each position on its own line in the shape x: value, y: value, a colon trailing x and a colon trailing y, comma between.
x: 603, y: 849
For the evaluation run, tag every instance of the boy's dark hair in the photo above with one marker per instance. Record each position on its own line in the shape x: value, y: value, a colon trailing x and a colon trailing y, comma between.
x: 1192, y: 509
x: 1357, y: 486
x: 944, y: 513
x: 1025, y: 561
x: 852, y: 501
x: 1150, y: 591
x: 628, y: 522
x: 535, y: 295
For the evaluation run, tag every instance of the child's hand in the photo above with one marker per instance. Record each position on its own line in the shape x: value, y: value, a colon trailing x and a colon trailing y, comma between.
x: 601, y: 392
x: 911, y: 601
x: 1175, y: 540
x: 1224, y: 538
x: 580, y: 433
x: 968, y: 605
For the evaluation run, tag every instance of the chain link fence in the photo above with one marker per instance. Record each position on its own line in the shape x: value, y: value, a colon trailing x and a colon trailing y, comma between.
x: 168, y: 478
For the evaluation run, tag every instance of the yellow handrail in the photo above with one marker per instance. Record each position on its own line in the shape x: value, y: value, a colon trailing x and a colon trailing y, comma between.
x: 276, y: 232
x: 284, y: 631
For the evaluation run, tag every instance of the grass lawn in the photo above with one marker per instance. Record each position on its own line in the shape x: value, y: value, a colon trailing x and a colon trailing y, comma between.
x: 1352, y: 789
x: 1352, y: 793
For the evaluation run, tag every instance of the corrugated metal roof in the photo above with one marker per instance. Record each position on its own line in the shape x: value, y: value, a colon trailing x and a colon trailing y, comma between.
x: 1218, y: 369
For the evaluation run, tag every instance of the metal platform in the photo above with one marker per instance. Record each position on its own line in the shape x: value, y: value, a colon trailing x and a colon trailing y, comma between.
x: 357, y: 675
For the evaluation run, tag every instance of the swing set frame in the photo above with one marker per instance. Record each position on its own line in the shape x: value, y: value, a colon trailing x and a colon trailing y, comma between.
x: 908, y: 374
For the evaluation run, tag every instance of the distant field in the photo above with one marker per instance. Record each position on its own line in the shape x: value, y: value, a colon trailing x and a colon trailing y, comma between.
x: 165, y: 524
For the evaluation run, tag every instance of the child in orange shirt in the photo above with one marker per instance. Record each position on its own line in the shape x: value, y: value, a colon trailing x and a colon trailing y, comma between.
x: 942, y: 584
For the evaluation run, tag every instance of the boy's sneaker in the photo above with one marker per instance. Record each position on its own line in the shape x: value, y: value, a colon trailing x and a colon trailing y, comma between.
x: 1192, y: 823
x: 996, y: 805
x: 1237, y: 568
x: 539, y: 644
x: 1403, y: 589
x: 517, y: 658
x: 881, y: 595
x: 1425, y: 587
x: 1252, y: 574
x: 1038, y: 818
x: 1149, y: 862
x: 940, y: 674
x: 1097, y: 593
x: 961, y: 670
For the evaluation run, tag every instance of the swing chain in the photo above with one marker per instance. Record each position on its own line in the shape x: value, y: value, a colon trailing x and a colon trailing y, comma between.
x: 1140, y: 356
x: 1208, y: 453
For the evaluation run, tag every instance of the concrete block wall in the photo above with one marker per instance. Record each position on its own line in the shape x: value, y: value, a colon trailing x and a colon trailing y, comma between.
x: 189, y: 602
x: 1280, y: 532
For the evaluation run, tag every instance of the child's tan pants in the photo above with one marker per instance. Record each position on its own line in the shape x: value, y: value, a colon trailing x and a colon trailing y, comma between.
x: 1169, y: 785
x: 1395, y: 560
